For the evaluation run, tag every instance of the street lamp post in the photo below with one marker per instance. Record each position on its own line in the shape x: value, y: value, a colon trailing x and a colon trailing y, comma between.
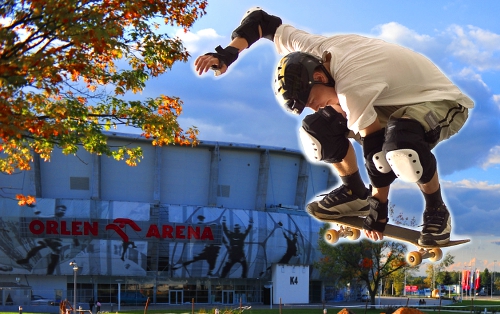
x: 270, y: 286
x: 75, y: 270
x: 119, y: 281
x: 493, y: 278
x: 404, y: 286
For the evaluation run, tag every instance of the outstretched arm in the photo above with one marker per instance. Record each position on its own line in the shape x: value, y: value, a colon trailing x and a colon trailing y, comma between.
x: 219, y: 61
x: 255, y: 24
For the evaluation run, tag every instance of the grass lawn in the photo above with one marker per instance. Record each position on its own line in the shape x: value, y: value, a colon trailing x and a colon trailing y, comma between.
x: 467, y: 306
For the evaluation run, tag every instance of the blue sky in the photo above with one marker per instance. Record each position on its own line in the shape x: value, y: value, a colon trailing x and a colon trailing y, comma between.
x: 461, y: 37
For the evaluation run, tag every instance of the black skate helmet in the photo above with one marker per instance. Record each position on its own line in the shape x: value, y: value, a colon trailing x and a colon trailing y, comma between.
x: 293, y: 80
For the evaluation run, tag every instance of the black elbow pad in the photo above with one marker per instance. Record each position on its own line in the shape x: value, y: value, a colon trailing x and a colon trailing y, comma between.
x: 249, y: 27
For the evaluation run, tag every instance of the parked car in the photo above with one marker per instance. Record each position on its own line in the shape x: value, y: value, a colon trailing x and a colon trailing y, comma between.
x: 363, y: 298
x: 39, y: 300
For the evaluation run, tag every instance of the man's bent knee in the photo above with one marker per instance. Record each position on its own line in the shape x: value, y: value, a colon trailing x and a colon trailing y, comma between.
x: 407, y: 152
x: 323, y: 135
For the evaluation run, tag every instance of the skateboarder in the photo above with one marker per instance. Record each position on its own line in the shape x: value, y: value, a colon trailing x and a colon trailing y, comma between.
x: 394, y: 101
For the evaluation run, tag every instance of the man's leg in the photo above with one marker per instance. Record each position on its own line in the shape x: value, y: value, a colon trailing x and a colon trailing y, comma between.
x: 381, y: 177
x: 438, y: 121
x: 435, y: 213
x: 411, y: 159
x: 324, y: 137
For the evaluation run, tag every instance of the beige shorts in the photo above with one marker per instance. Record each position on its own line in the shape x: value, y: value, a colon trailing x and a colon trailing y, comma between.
x: 449, y: 115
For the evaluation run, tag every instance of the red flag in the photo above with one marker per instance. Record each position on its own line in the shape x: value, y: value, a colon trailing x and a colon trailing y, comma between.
x: 478, y: 279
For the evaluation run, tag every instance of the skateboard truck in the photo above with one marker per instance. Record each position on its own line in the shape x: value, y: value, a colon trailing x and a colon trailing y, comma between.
x: 332, y: 235
x: 415, y: 258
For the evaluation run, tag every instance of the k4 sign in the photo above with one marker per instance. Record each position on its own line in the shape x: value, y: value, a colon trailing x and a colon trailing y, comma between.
x: 290, y: 283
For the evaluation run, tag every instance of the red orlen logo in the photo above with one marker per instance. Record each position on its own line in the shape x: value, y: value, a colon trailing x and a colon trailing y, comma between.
x: 120, y: 225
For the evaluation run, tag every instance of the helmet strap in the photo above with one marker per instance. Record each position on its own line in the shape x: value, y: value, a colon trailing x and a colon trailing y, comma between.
x: 327, y: 57
x: 331, y: 81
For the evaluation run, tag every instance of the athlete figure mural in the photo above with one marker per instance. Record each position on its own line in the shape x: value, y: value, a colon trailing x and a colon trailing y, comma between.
x: 235, y: 247
x: 291, y: 246
x: 53, y: 244
x: 209, y: 254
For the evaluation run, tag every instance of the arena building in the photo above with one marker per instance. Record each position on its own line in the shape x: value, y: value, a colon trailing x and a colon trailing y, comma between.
x: 207, y: 224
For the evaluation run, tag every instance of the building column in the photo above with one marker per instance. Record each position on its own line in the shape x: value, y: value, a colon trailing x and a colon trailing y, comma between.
x: 214, y: 176
x: 302, y: 181
x: 95, y: 184
x: 157, y: 175
x: 35, y: 183
x: 263, y: 181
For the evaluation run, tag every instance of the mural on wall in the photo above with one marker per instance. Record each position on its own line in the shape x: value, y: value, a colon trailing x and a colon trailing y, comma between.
x: 43, y: 239
x: 199, y: 241
x: 251, y: 241
x: 25, y: 253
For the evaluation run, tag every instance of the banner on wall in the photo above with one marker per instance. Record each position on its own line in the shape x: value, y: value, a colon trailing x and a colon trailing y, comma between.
x: 195, y: 241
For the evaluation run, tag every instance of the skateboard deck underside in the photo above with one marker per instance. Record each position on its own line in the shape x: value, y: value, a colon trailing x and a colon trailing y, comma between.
x: 395, y: 232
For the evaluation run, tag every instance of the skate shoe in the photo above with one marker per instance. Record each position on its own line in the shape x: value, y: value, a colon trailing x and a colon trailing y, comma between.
x: 437, y: 226
x: 340, y: 202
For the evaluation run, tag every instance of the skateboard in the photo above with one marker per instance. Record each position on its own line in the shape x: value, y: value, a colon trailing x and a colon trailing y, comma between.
x: 350, y: 228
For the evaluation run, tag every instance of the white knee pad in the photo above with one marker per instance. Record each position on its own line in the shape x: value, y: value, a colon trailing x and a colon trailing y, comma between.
x: 406, y: 164
x: 380, y: 162
x: 312, y: 147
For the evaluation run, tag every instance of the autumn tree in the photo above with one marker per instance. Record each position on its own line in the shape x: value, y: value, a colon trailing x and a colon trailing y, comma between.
x: 396, y: 280
x: 368, y: 262
x: 69, y: 67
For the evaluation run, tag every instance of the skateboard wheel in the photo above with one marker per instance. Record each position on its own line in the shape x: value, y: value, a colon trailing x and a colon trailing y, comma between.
x: 331, y: 236
x: 436, y: 253
x: 414, y: 258
x: 355, y: 234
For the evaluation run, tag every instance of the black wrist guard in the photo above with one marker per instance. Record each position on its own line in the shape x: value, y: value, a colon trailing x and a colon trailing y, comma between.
x: 226, y: 56
x: 378, y: 211
x: 249, y: 27
x: 378, y: 168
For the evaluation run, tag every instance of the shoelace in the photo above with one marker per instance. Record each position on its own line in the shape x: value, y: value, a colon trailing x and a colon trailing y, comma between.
x: 332, y: 194
x: 433, y: 220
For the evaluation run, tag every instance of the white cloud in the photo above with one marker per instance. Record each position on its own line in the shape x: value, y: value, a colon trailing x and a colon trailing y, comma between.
x: 471, y: 75
x: 475, y: 46
x: 476, y: 49
x: 402, y: 35
x: 496, y: 100
x: 395, y: 32
x: 402, y: 185
x: 215, y: 132
x: 493, y: 157
x: 472, y: 185
x: 202, y: 40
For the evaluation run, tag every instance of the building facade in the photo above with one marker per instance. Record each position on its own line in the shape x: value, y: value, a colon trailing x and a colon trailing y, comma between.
x: 203, y: 224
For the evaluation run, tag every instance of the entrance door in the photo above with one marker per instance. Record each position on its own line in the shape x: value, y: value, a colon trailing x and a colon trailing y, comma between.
x: 176, y: 296
x: 227, y: 296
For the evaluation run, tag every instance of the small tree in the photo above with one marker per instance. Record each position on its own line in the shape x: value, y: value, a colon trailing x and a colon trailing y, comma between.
x: 369, y: 262
x: 435, y: 271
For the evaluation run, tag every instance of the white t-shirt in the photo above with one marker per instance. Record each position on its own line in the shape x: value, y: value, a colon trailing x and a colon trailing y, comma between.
x: 370, y: 72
